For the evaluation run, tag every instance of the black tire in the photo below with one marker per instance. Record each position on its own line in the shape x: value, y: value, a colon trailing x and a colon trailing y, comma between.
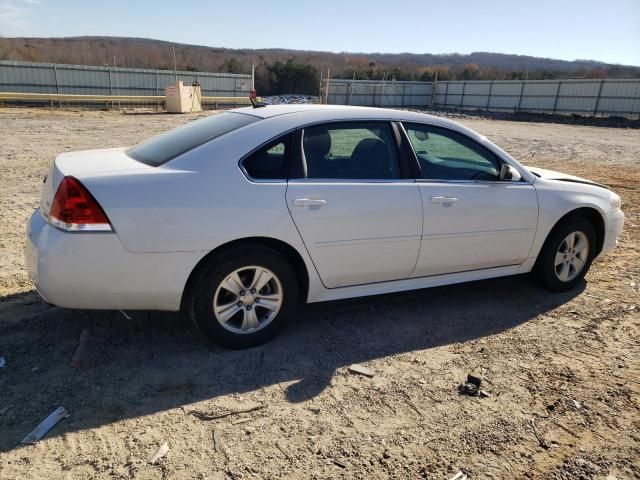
x: 545, y: 269
x: 218, y: 268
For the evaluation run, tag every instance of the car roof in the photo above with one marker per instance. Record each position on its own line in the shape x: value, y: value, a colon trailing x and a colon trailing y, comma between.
x: 311, y: 113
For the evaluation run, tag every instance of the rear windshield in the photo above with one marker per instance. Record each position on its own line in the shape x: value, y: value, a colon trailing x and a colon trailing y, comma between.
x: 169, y: 145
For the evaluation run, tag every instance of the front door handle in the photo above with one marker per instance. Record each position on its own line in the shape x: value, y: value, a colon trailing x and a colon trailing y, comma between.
x: 439, y: 200
x: 309, y: 202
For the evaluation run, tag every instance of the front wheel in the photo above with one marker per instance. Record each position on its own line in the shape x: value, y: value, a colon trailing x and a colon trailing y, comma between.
x: 244, y: 297
x: 567, y: 255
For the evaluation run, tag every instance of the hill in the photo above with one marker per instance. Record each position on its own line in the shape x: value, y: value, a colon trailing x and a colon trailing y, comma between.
x: 286, y: 71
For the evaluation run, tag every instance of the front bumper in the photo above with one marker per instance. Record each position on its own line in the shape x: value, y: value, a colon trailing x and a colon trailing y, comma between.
x: 94, y: 271
x: 614, y: 222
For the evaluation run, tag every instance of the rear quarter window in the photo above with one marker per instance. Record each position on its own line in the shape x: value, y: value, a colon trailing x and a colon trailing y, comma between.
x: 272, y: 161
x: 169, y: 145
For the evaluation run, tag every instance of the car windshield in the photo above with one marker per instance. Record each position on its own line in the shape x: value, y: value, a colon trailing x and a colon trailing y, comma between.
x: 169, y: 145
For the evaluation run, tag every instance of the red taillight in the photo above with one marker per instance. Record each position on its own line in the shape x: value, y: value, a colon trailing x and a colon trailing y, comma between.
x: 74, y: 208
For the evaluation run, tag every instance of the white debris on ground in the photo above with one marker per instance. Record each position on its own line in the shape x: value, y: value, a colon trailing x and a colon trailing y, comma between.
x: 290, y: 98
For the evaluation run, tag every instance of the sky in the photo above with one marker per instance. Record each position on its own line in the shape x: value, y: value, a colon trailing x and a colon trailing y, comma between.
x: 607, y: 31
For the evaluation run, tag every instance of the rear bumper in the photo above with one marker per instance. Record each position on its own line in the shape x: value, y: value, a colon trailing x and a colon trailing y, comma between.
x: 94, y: 271
x: 614, y: 222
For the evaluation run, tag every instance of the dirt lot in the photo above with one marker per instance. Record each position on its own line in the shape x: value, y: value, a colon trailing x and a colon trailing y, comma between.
x: 563, y: 370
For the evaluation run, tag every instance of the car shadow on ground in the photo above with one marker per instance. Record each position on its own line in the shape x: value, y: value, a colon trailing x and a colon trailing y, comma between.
x: 157, y: 361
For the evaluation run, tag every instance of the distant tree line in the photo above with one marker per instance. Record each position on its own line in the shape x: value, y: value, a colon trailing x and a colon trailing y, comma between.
x: 289, y: 71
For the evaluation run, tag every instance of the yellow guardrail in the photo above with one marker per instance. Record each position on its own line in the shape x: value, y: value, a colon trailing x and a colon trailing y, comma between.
x: 61, y: 97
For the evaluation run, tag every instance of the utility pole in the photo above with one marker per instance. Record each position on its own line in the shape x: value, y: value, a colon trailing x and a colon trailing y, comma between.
x: 326, y: 93
x: 175, y: 68
x: 433, y: 89
x: 352, y: 84
x: 115, y: 73
x: 384, y: 79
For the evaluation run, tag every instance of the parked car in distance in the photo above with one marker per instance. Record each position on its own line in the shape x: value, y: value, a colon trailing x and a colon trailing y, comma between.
x: 238, y: 217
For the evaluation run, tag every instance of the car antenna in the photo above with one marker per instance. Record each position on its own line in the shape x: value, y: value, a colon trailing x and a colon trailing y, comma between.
x: 252, y: 98
x: 257, y: 104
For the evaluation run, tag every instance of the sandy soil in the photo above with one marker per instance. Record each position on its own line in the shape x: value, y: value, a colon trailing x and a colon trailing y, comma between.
x: 563, y: 370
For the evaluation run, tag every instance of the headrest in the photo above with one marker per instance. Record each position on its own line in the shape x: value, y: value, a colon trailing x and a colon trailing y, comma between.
x: 371, y: 147
x: 317, y: 142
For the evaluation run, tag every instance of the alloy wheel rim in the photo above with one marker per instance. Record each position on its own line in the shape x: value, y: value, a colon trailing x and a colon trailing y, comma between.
x: 571, y: 256
x: 248, y: 299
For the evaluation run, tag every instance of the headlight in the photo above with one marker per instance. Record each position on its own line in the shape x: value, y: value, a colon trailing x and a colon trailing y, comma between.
x: 616, y: 202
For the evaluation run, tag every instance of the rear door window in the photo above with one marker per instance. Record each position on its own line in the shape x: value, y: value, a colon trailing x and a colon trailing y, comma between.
x: 351, y: 150
x: 169, y: 145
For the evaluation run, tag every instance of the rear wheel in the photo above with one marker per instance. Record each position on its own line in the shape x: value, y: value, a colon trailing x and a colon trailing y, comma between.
x: 567, y: 255
x: 244, y: 297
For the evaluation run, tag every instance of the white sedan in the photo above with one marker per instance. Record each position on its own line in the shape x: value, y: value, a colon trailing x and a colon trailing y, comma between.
x: 238, y: 217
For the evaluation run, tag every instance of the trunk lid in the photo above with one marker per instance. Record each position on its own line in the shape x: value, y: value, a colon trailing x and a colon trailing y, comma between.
x: 81, y: 164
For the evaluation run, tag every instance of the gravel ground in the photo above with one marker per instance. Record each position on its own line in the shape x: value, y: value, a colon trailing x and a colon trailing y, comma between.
x: 563, y: 370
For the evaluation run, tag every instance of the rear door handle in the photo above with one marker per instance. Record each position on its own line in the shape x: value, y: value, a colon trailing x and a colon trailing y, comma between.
x: 439, y: 200
x: 309, y: 202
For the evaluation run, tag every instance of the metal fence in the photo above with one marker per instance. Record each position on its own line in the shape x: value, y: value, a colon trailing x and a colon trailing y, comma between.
x: 592, y: 97
x: 92, y: 80
x: 374, y: 93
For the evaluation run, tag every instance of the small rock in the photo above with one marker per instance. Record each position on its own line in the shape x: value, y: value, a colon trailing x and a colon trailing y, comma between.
x: 361, y: 369
x: 81, y: 355
x: 576, y: 404
x: 161, y: 452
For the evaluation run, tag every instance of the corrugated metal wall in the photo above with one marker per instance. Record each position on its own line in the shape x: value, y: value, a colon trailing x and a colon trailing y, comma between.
x: 378, y: 94
x: 608, y: 97
x: 93, y: 80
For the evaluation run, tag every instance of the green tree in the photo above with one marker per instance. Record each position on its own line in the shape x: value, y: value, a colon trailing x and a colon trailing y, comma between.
x: 293, y: 77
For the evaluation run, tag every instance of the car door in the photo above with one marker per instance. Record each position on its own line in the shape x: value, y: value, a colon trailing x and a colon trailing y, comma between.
x: 472, y: 219
x: 359, y: 216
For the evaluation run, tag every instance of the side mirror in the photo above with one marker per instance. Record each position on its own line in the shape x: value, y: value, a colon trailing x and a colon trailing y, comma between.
x: 507, y: 172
